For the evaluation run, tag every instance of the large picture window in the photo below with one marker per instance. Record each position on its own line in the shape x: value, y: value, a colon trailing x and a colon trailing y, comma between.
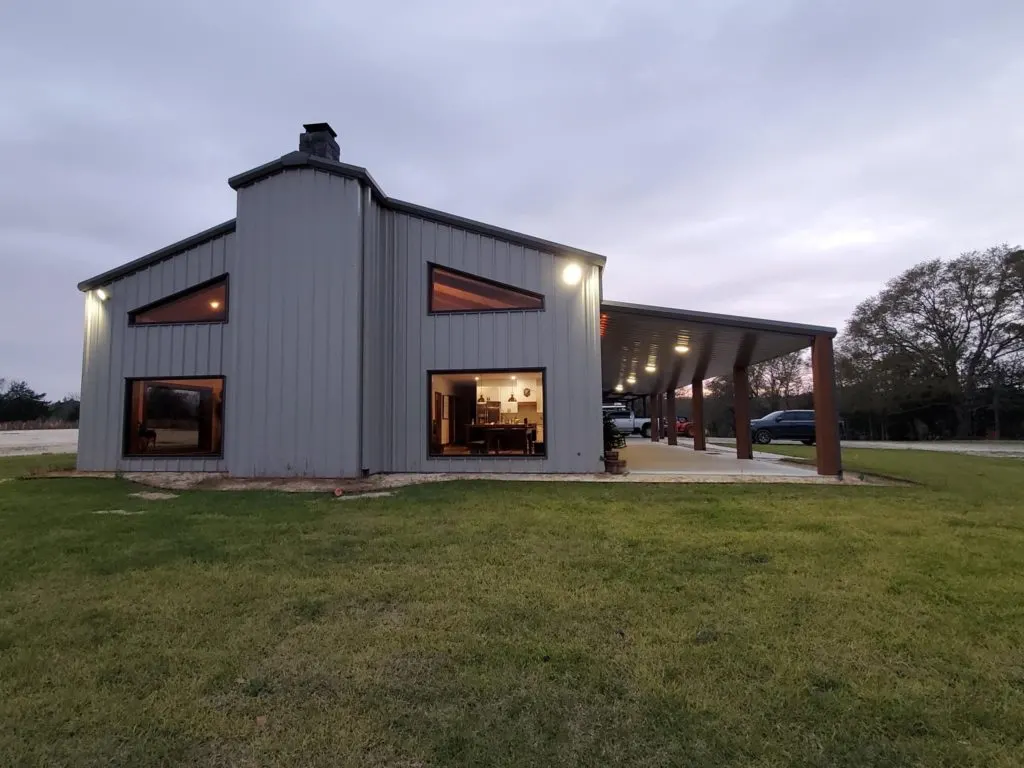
x: 204, y: 303
x: 487, y: 413
x: 174, y: 417
x: 454, y: 291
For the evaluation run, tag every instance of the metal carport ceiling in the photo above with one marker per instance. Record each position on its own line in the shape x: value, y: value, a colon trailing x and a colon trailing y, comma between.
x: 635, y: 336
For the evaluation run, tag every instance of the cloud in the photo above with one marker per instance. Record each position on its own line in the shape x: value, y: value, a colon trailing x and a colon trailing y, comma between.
x: 780, y: 159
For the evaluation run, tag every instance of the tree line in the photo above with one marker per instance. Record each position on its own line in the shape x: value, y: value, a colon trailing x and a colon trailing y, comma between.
x: 937, y: 353
x: 20, y: 403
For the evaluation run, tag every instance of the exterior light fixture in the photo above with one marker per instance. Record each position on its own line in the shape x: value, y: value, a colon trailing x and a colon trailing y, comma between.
x: 476, y: 378
x: 214, y: 305
x: 572, y: 273
x: 618, y: 387
x: 631, y: 379
x: 650, y: 368
x: 102, y: 295
x: 682, y: 349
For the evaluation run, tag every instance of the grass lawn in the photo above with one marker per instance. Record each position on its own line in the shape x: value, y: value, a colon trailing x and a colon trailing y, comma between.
x: 482, y: 623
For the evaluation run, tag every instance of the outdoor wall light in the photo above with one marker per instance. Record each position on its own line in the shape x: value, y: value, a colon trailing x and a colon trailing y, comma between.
x: 102, y: 295
x: 650, y: 368
x: 618, y: 387
x: 631, y: 380
x: 572, y: 273
x: 682, y: 349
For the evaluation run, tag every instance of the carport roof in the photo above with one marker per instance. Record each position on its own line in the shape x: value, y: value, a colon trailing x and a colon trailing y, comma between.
x: 634, y: 336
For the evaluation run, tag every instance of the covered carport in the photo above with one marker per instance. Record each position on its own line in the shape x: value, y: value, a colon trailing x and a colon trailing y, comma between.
x: 650, y: 352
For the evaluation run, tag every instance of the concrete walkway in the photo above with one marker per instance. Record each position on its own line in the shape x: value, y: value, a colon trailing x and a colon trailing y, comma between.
x: 646, y: 458
x: 990, y: 448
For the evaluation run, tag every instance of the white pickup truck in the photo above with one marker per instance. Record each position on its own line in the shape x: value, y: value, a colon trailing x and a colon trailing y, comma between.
x: 626, y: 422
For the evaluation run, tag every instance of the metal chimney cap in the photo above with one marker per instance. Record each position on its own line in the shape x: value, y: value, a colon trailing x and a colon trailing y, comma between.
x: 320, y: 128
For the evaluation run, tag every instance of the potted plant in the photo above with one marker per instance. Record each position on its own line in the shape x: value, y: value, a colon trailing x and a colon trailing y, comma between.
x: 612, y: 439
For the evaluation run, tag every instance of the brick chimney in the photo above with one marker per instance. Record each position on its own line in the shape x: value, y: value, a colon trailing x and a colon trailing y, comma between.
x: 319, y: 141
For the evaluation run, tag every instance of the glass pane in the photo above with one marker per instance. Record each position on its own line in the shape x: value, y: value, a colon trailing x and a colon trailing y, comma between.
x: 487, y: 414
x: 203, y: 305
x: 454, y: 292
x: 175, y: 417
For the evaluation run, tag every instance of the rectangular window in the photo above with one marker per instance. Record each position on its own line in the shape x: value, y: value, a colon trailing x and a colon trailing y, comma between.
x: 454, y: 291
x: 174, y: 417
x: 203, y: 303
x: 484, y: 414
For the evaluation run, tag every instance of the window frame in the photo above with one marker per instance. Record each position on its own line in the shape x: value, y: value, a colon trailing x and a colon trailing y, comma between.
x: 542, y: 370
x: 127, y: 418
x: 432, y: 266
x: 222, y: 278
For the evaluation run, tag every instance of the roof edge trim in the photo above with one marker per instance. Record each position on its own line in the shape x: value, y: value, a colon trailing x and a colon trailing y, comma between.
x: 166, y: 252
x: 711, y: 318
x: 302, y: 160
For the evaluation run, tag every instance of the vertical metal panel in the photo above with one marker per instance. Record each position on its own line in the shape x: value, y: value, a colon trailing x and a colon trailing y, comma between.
x: 115, y: 351
x: 296, y: 321
x: 564, y: 339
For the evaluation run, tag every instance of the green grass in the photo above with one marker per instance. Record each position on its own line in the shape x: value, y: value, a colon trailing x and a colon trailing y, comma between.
x: 481, y: 623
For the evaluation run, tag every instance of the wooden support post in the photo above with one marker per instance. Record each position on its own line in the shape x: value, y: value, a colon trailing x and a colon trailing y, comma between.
x: 741, y: 409
x: 655, y: 418
x: 697, y: 415
x: 826, y: 411
x: 670, y: 414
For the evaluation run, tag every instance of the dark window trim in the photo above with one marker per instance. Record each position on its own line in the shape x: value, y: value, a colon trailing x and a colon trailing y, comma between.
x: 543, y: 371
x: 431, y: 266
x: 126, y: 418
x: 222, y: 278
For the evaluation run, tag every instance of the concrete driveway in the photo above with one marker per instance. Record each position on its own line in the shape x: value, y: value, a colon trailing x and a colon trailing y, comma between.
x: 22, y: 442
x: 990, y: 448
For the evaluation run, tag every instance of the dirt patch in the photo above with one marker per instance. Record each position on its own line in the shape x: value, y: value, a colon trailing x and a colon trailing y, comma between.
x: 371, y: 495
x: 122, y: 512
x: 210, y: 481
x: 154, y: 495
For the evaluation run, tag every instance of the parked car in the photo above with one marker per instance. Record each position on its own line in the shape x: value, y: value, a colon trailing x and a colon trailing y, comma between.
x: 626, y: 421
x: 684, y: 427
x: 784, y: 425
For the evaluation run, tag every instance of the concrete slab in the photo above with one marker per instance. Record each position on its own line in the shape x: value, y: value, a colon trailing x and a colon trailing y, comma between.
x: 646, y: 458
x: 24, y: 442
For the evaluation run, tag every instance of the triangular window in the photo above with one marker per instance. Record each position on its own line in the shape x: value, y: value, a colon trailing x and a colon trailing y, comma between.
x: 203, y: 303
x: 454, y: 291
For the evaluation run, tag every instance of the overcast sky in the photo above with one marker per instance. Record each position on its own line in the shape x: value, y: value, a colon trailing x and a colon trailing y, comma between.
x: 761, y: 157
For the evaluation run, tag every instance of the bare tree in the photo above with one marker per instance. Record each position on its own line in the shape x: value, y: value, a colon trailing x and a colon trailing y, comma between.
x: 777, y: 381
x: 954, y: 322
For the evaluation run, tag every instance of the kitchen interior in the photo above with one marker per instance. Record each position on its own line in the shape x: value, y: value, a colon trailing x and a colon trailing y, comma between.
x: 487, y: 414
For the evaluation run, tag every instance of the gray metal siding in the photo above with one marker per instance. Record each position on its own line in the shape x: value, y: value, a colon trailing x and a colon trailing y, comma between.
x: 564, y: 339
x: 115, y: 351
x: 297, y: 332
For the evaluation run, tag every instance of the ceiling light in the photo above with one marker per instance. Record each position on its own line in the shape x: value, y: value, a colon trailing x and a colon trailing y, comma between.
x: 618, y: 387
x: 476, y: 378
x: 682, y: 349
x: 572, y: 273
x: 102, y: 295
x: 650, y: 369
x: 513, y: 378
x: 214, y: 305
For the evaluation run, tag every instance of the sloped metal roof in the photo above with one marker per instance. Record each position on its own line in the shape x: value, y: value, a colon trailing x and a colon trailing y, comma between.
x: 636, y: 336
